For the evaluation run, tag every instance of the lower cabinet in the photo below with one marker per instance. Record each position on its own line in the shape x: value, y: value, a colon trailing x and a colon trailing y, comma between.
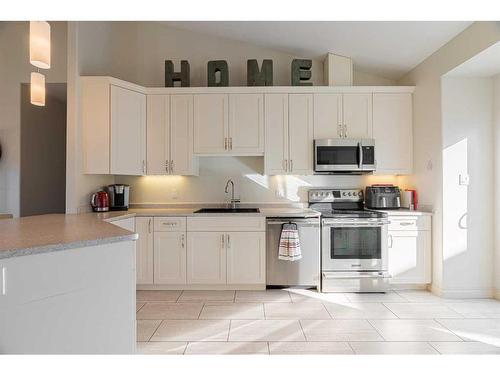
x: 409, y: 250
x: 246, y: 253
x: 206, y: 258
x: 144, y: 250
x: 170, y: 258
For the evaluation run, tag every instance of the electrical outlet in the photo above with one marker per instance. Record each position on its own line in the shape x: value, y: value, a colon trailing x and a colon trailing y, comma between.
x: 463, y: 179
x: 174, y: 194
x: 279, y: 193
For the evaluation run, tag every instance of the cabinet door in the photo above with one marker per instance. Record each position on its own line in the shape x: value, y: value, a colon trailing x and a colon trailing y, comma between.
x: 392, y: 130
x: 246, y: 124
x: 276, y: 129
x: 327, y: 116
x: 246, y: 252
x: 300, y: 133
x: 128, y: 132
x: 144, y: 250
x: 409, y: 257
x: 170, y: 257
x: 158, y: 134
x: 210, y: 123
x: 181, y: 136
x: 357, y: 115
x: 206, y: 258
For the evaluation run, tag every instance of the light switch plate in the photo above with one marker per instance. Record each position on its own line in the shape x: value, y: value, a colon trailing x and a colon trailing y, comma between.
x: 463, y: 179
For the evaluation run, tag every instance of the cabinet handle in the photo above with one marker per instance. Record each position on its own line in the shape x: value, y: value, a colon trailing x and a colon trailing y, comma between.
x: 345, y: 130
x: 225, y: 143
x: 144, y: 167
x: 405, y: 223
x: 228, y: 241
x: 149, y: 226
x: 166, y: 166
x: 391, y: 241
x: 4, y: 281
x: 182, y: 241
x: 339, y: 131
x: 171, y: 167
x: 286, y: 164
x: 223, y: 244
x: 291, y: 165
x: 230, y: 143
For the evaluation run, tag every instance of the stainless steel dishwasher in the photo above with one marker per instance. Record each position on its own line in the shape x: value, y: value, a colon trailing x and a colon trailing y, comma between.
x: 304, y: 272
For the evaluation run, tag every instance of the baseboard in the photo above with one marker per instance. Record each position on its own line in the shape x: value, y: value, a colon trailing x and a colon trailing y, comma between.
x: 408, y: 286
x: 462, y: 293
x: 202, y: 287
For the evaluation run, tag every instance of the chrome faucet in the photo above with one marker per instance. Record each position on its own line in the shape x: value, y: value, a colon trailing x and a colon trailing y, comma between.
x: 234, y: 202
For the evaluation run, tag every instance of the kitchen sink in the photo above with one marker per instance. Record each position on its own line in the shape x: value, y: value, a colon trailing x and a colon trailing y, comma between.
x: 226, y: 210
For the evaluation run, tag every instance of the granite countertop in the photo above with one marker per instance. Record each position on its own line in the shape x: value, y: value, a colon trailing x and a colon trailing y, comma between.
x: 48, y: 233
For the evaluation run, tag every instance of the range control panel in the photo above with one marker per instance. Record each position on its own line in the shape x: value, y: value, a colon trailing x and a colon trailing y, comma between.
x: 335, y: 195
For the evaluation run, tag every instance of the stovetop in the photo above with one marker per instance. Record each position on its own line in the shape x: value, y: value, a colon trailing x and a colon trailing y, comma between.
x: 358, y: 214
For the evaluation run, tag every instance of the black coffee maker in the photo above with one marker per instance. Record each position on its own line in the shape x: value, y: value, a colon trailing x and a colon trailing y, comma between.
x: 118, y: 197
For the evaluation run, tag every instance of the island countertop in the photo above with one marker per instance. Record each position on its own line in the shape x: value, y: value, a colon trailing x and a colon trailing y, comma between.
x: 54, y: 232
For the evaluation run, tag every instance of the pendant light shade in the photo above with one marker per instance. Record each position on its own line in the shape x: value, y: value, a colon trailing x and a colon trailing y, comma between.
x: 40, y: 44
x: 37, y: 89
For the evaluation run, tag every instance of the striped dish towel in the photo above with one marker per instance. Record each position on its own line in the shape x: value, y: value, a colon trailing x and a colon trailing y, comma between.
x: 289, y: 243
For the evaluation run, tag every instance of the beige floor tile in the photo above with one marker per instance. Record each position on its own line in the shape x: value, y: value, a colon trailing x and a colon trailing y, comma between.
x: 298, y: 310
x: 339, y: 330
x: 392, y: 348
x: 146, y: 328
x: 413, y: 330
x: 157, y: 295
x: 477, y: 309
x: 465, y: 348
x: 138, y: 305
x: 206, y: 295
x: 265, y: 330
x: 270, y: 295
x: 419, y: 296
x: 294, y: 348
x: 301, y: 295
x: 359, y: 310
x: 168, y: 310
x: 227, y: 348
x: 482, y: 330
x: 192, y: 330
x: 374, y: 297
x: 161, y: 347
x: 422, y: 310
x: 244, y: 310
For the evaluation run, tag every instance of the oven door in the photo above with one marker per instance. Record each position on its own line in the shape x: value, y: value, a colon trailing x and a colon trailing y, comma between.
x: 337, y: 155
x: 354, y: 244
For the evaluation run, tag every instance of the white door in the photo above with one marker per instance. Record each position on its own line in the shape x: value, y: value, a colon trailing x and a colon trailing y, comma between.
x: 246, y: 124
x: 327, y: 116
x: 128, y: 132
x: 170, y: 257
x: 206, y: 258
x: 210, y: 123
x: 246, y: 253
x: 357, y: 115
x: 144, y: 250
x: 158, y: 134
x: 392, y: 130
x: 182, y: 161
x: 276, y: 129
x: 300, y: 133
x: 409, y: 257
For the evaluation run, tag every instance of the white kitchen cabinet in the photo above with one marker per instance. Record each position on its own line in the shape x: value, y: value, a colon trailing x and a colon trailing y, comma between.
x: 409, y: 250
x: 170, y: 258
x: 327, y: 116
x: 246, y: 253
x: 170, y: 135
x: 128, y: 132
x: 210, y: 123
x: 392, y: 130
x: 289, y: 134
x: 144, y: 250
x: 357, y: 115
x: 246, y: 124
x: 206, y: 258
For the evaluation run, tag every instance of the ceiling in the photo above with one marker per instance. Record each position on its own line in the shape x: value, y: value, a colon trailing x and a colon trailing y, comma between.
x: 385, y: 48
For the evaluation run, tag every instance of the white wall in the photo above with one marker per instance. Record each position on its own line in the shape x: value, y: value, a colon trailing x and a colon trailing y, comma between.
x: 467, y: 130
x: 14, y: 70
x: 427, y: 124
x: 496, y: 147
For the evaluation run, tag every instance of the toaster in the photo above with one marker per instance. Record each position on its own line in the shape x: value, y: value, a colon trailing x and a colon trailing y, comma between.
x: 382, y: 197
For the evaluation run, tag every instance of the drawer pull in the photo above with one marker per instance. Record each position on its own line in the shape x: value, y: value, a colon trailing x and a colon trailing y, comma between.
x: 406, y: 224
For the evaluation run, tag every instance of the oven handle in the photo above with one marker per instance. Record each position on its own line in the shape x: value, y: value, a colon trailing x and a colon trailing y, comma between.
x: 353, y: 224
x: 330, y: 275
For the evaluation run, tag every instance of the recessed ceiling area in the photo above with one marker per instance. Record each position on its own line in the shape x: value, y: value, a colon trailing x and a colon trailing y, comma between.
x: 484, y: 64
x: 385, y: 48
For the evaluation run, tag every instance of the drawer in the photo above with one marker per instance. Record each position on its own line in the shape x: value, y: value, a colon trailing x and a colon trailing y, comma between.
x: 170, y: 224
x: 226, y: 224
x: 409, y: 223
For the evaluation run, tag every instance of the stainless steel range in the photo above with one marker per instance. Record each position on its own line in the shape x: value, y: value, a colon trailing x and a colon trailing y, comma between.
x: 353, y: 242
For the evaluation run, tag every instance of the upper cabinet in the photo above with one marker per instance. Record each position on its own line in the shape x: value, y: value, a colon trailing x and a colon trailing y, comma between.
x: 289, y: 124
x: 170, y: 135
x: 229, y: 124
x: 392, y: 130
x: 343, y: 115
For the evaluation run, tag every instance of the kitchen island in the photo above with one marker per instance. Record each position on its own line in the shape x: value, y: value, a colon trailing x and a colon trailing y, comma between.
x: 54, y: 271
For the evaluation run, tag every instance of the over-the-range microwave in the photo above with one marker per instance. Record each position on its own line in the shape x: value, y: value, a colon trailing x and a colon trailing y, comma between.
x: 344, y: 156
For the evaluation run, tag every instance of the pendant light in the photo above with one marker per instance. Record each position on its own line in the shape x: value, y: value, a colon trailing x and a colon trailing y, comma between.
x: 40, y: 44
x: 37, y: 93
